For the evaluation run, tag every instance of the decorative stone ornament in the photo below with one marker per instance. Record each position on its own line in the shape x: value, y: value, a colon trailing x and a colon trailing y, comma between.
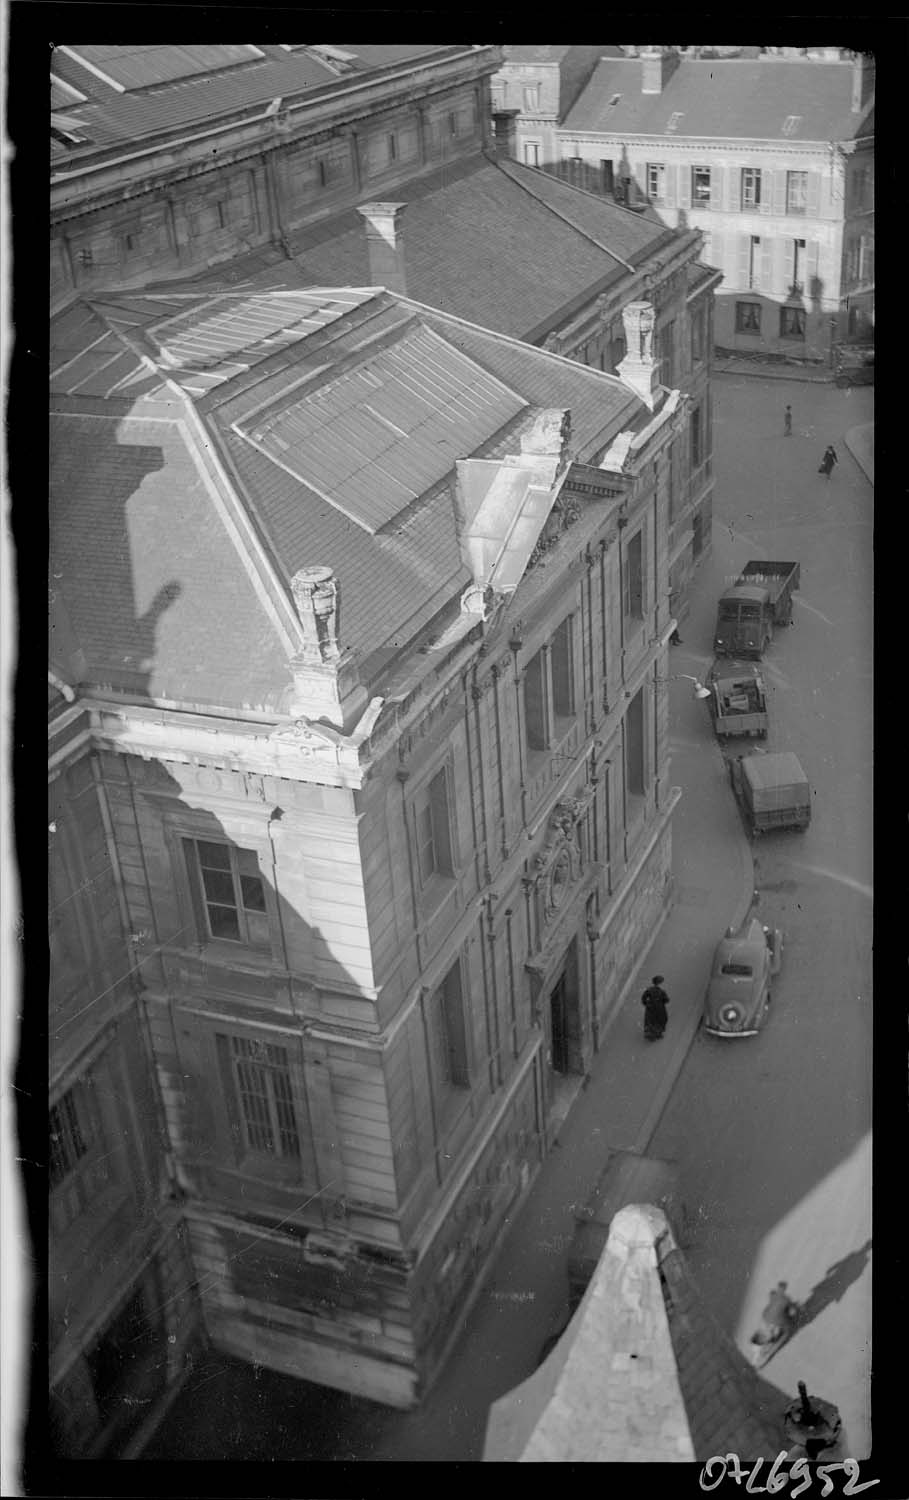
x: 638, y: 369
x: 326, y: 682
x: 315, y: 592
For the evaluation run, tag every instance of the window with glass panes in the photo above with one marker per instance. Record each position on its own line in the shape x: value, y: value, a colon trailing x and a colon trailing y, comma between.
x: 796, y: 192
x: 656, y: 180
x: 549, y: 694
x: 231, y: 891
x: 792, y: 322
x: 751, y: 187
x: 79, y: 1164
x: 261, y: 1073
x: 633, y: 579
x: 449, y: 1031
x: 747, y: 317
x: 700, y: 184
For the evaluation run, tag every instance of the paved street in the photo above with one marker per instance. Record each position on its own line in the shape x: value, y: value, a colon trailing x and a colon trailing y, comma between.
x: 755, y: 1127
x: 758, y: 1126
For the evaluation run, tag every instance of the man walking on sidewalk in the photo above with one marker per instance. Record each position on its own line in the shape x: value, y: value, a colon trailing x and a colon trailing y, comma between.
x: 655, y: 1001
x: 787, y: 422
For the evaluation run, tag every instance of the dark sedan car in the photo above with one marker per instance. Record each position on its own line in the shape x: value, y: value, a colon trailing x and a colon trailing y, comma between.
x: 738, y: 994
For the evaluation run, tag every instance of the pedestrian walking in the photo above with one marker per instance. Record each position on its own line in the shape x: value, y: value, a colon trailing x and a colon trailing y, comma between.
x: 827, y: 462
x: 655, y: 1001
x: 787, y: 422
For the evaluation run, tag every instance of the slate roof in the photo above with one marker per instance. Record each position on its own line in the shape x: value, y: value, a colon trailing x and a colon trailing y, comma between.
x: 109, y: 116
x: 722, y: 99
x: 523, y: 54
x: 157, y: 592
x: 498, y: 243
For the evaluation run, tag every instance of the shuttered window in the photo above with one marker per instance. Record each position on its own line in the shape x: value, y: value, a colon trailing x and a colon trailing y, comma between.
x: 751, y: 188
x: 261, y: 1078
x: 700, y: 186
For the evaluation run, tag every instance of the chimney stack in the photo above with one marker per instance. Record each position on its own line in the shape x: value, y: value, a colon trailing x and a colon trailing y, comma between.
x: 386, y: 246
x: 862, y: 81
x: 506, y: 141
x: 639, y: 369
x: 657, y: 67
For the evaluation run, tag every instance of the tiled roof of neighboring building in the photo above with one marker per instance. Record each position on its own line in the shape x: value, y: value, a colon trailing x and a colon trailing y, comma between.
x: 466, y: 225
x: 159, y: 589
x: 109, y: 115
x: 520, y: 54
x: 728, y: 99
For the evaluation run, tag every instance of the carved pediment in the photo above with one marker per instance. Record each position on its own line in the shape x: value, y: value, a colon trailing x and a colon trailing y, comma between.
x: 307, y: 738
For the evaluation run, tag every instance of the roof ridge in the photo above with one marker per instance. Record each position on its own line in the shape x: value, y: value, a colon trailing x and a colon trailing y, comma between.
x: 559, y: 215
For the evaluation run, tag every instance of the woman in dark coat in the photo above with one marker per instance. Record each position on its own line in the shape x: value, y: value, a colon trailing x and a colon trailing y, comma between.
x: 827, y: 462
x: 655, y: 1001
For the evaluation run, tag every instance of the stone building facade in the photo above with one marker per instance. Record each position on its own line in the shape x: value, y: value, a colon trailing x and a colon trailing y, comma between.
x: 391, y: 850
x: 771, y: 159
x: 124, y: 1319
x: 169, y: 183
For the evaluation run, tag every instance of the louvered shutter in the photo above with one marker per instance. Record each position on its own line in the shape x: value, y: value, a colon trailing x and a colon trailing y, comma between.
x: 814, y: 194
x: 717, y: 175
x: 780, y: 287
x: 684, y: 185
x: 672, y: 191
x: 743, y: 255
x: 766, y: 190
x: 788, y: 265
x: 734, y: 188
x: 812, y: 250
x: 767, y: 266
x: 717, y: 251
x: 779, y: 192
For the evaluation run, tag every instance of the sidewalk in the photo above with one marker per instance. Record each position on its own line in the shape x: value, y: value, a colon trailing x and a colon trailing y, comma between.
x: 769, y: 370
x: 860, y: 442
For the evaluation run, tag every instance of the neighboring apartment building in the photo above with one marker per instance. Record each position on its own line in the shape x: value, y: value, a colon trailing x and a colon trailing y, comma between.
x: 541, y: 84
x: 366, y: 611
x: 123, y: 1314
x: 772, y: 160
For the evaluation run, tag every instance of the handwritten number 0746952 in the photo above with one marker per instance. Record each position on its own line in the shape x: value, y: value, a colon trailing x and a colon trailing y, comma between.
x: 778, y: 1477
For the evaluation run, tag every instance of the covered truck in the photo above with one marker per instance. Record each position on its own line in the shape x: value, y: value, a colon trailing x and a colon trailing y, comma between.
x: 760, y: 598
x: 773, y: 791
x: 738, y: 703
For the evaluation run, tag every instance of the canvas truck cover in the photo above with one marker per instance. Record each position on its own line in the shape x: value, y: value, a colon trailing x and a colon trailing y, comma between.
x: 775, y: 780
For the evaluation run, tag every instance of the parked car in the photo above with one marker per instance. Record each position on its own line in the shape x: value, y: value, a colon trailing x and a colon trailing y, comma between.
x: 738, y: 995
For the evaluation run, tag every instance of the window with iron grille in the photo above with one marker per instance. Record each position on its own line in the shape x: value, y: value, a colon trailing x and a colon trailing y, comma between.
x: 792, y: 322
x: 261, y: 1074
x: 751, y: 187
x: 230, y: 892
x: 747, y: 317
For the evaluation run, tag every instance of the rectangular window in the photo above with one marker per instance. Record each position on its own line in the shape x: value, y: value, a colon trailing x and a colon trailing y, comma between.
x: 754, y: 263
x: 700, y: 185
x: 792, y: 322
x: 531, y: 153
x: 656, y: 181
x: 562, y: 668
x: 447, y: 1022
x: 531, y: 94
x: 697, y: 439
x: 261, y: 1075
x: 433, y: 829
x: 222, y: 214
x: 747, y: 317
x: 535, y: 704
x: 633, y: 579
x: 231, y: 894
x: 798, y: 268
x: 79, y: 1161
x: 635, y: 777
x: 392, y: 148
x: 751, y: 187
x: 796, y: 192
x: 697, y: 534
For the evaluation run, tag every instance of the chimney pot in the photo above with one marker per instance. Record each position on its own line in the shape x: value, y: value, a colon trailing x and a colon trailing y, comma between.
x: 385, y: 245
